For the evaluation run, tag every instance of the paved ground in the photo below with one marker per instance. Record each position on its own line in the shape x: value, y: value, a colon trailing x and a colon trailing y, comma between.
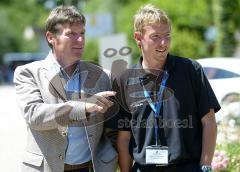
x: 12, y: 131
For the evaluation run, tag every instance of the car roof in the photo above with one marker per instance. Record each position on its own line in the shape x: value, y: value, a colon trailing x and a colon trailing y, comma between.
x: 11, y: 57
x: 226, y: 63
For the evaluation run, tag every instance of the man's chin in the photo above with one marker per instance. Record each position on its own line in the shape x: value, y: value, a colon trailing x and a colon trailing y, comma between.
x: 77, y: 56
x: 162, y: 55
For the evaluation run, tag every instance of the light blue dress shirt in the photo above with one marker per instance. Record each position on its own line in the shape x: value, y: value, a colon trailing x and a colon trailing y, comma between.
x: 77, y: 148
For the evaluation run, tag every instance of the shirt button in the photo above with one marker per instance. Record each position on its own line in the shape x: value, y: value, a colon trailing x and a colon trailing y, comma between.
x: 61, y: 157
x: 64, y: 133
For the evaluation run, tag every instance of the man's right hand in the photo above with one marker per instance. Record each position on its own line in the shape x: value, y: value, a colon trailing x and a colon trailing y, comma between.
x: 98, y: 102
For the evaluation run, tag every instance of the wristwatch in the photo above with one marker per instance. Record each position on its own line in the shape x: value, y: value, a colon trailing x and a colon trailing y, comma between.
x: 206, y: 168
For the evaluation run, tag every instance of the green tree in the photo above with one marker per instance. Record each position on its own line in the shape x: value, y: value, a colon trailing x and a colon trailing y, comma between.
x: 15, y: 16
x: 226, y: 19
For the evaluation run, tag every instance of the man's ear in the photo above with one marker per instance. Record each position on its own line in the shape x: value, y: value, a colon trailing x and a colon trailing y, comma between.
x: 138, y: 38
x: 50, y: 37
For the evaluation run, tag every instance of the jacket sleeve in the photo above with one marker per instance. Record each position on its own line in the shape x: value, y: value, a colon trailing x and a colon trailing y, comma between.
x: 38, y: 114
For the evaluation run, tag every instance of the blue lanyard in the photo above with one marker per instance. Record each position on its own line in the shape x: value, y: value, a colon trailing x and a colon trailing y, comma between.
x: 156, y: 107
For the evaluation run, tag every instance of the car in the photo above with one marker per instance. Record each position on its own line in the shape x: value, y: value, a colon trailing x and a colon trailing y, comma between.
x: 12, y: 60
x: 224, y: 76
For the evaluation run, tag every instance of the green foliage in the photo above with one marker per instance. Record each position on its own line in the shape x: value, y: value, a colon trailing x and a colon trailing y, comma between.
x: 190, y: 20
x: 227, y: 21
x: 183, y: 14
x: 233, y: 152
x: 188, y: 44
x: 7, y: 34
x: 15, y: 16
x: 91, y: 51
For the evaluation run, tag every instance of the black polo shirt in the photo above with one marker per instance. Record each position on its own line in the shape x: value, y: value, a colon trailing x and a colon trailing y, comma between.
x: 187, y: 97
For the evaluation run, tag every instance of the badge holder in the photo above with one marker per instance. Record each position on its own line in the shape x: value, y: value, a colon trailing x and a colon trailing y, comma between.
x: 157, y: 154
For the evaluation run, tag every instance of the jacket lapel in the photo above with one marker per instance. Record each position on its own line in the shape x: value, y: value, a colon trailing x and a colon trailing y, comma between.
x: 53, y: 76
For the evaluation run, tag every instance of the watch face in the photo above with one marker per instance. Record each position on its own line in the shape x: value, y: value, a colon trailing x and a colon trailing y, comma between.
x: 205, y: 168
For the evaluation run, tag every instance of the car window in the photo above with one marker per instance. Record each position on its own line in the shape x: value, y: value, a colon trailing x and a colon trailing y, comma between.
x: 216, y: 73
x: 12, y: 60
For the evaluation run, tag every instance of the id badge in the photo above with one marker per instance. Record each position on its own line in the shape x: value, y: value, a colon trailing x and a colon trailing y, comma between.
x: 156, y: 154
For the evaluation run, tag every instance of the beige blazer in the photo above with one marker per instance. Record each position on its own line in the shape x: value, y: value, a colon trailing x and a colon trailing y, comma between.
x: 43, y: 104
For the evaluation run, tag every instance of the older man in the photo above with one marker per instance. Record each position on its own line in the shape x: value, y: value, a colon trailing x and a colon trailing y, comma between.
x: 61, y: 99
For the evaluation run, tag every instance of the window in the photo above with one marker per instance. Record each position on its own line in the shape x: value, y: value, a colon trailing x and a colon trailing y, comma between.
x: 216, y: 73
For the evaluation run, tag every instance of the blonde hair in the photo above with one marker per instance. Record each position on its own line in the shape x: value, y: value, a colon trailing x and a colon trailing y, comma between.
x: 147, y: 15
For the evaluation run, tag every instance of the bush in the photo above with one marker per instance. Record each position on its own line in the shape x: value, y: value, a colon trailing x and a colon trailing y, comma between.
x: 232, y: 151
x: 228, y: 139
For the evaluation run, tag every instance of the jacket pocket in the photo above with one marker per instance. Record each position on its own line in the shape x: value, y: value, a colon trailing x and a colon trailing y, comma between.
x: 32, y: 158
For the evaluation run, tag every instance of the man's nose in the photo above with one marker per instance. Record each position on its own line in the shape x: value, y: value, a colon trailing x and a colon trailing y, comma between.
x: 163, y: 41
x: 80, y: 38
